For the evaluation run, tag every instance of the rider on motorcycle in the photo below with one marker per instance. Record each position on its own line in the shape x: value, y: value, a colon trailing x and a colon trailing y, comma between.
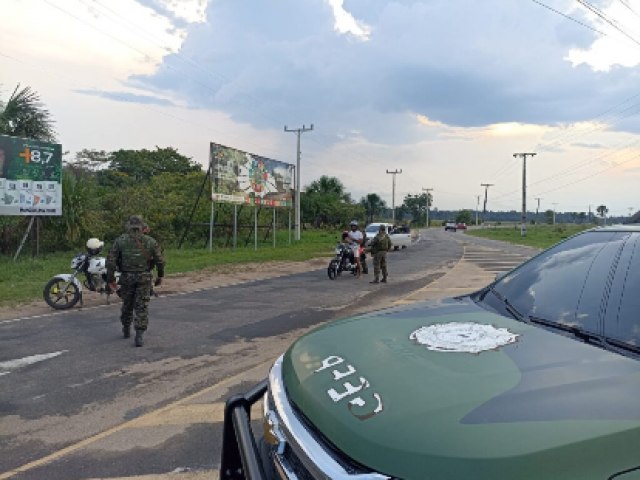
x: 355, y: 239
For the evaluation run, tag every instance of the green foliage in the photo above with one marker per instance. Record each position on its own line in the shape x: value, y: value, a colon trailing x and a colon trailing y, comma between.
x: 464, y: 216
x: 539, y: 236
x: 325, y: 203
x: 373, y: 206
x: 602, y: 211
x: 416, y: 206
x: 24, y: 115
x: 129, y: 166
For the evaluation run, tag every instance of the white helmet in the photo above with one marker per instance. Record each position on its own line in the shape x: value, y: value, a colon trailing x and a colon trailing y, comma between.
x: 94, y: 244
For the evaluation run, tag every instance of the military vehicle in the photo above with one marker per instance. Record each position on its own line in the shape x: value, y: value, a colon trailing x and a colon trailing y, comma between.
x: 534, y: 377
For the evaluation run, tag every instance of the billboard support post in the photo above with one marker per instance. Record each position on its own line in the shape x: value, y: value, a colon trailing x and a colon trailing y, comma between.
x: 274, y: 228
x: 289, y: 226
x: 24, y: 238
x: 235, y: 226
x: 211, y: 220
x: 255, y: 228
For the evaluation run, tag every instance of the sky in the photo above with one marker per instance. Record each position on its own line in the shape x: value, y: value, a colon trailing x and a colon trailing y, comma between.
x: 444, y: 91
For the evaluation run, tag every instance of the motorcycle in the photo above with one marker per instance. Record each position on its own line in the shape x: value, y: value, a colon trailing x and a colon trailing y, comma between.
x: 64, y: 290
x: 344, y: 262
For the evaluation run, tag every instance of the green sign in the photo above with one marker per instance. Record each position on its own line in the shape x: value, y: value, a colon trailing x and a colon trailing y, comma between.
x: 30, y: 177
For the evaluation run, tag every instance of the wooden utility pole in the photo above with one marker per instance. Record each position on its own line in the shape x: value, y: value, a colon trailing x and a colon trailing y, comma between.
x: 523, y: 224
x: 484, y: 208
x: 393, y: 194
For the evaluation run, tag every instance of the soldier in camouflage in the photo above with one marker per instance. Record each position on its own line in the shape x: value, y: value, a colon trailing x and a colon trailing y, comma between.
x: 380, y: 245
x: 135, y: 255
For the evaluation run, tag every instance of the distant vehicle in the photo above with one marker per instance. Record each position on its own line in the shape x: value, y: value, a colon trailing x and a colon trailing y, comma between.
x: 400, y: 235
x: 461, y: 226
x: 450, y: 226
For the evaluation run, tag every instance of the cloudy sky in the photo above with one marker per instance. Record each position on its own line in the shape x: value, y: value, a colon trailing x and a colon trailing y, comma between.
x: 444, y: 90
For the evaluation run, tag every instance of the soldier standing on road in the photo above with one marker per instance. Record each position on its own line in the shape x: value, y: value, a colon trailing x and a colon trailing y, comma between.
x: 380, y: 245
x: 134, y: 255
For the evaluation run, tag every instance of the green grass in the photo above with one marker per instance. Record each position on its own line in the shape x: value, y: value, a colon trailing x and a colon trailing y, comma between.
x: 539, y: 236
x: 23, y: 280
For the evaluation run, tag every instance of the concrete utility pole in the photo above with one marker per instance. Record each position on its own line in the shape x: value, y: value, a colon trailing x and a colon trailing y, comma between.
x: 523, y: 225
x: 298, y: 132
x: 538, y: 208
x: 484, y: 208
x: 393, y: 194
x: 427, y: 190
x: 554, y: 212
x: 477, y: 207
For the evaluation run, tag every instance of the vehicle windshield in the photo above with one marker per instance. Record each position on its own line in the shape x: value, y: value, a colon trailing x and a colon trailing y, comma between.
x: 586, y: 287
x: 372, y: 229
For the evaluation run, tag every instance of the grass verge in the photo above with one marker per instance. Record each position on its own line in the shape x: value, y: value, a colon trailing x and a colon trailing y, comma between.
x: 23, y: 280
x: 538, y: 236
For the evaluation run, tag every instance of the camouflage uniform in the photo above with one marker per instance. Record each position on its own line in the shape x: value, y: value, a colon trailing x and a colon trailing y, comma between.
x: 135, y: 255
x: 380, y: 245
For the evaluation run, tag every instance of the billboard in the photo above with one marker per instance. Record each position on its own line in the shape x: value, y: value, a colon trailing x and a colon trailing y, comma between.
x: 30, y: 177
x: 240, y: 177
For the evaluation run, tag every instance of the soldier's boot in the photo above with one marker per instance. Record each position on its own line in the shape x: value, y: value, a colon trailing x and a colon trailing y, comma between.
x: 138, y: 339
x: 375, y: 280
x: 384, y: 279
x: 126, y: 331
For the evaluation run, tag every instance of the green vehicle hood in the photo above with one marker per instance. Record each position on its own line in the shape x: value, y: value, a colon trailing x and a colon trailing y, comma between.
x: 543, y: 406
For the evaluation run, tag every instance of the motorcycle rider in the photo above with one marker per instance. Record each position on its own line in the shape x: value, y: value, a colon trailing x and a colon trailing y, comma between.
x: 355, y: 239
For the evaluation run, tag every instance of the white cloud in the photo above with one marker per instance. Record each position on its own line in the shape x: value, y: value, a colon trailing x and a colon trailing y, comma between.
x: 440, y: 89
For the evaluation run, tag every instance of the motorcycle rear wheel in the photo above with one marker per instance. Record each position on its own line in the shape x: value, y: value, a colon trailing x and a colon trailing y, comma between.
x: 332, y: 270
x: 61, y: 294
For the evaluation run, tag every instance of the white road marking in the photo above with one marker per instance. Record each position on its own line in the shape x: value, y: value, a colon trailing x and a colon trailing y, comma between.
x: 23, y: 362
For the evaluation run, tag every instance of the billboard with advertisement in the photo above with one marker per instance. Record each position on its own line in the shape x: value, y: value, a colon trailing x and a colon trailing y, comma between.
x: 30, y: 177
x: 245, y: 178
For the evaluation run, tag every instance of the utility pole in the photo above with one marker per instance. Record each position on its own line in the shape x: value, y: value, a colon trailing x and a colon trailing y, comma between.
x: 427, y: 190
x: 393, y: 194
x: 538, y: 208
x: 554, y: 212
x: 484, y: 208
x: 477, y: 206
x: 298, y: 132
x: 589, y: 218
x: 523, y: 225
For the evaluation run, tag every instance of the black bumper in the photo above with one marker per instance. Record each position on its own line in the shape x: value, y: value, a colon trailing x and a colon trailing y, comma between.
x: 240, y: 456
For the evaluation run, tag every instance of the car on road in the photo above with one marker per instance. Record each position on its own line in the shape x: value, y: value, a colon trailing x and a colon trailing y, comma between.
x: 535, y: 376
x: 400, y: 235
x: 461, y: 226
x: 450, y: 226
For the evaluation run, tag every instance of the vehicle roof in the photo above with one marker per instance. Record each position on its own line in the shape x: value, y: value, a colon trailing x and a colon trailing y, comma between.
x: 631, y: 227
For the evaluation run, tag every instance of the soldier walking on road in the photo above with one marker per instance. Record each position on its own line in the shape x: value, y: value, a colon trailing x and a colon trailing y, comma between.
x: 380, y: 245
x: 134, y: 255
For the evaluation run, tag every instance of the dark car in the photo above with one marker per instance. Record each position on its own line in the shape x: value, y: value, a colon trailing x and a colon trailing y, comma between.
x: 534, y: 377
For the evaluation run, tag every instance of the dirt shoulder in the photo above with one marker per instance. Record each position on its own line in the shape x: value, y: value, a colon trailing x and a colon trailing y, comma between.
x: 218, y: 276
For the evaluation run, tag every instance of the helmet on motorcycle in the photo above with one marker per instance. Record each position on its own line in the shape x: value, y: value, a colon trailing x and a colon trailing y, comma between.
x: 94, y: 245
x: 354, y: 223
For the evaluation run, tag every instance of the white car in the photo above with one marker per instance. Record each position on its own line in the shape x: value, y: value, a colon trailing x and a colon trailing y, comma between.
x: 400, y: 235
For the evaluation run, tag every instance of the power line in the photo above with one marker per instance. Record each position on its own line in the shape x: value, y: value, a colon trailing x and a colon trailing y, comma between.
x: 569, y: 17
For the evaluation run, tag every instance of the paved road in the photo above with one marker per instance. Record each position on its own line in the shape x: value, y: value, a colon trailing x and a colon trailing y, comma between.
x: 79, y: 402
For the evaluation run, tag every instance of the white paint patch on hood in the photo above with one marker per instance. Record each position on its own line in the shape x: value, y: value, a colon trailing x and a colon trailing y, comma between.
x: 462, y: 337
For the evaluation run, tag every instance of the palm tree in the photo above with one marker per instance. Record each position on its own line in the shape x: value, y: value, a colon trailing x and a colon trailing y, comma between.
x: 24, y: 115
x: 373, y: 205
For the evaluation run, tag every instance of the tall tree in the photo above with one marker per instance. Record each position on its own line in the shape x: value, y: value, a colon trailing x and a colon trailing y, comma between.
x: 373, y: 205
x: 331, y: 185
x: 24, y: 115
x: 602, y: 210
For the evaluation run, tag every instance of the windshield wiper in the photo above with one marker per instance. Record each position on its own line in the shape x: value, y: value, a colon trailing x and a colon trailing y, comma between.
x: 577, y: 332
x: 508, y: 306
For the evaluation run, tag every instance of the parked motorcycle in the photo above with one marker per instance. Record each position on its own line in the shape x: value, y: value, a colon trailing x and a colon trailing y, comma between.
x: 64, y: 290
x: 343, y: 262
